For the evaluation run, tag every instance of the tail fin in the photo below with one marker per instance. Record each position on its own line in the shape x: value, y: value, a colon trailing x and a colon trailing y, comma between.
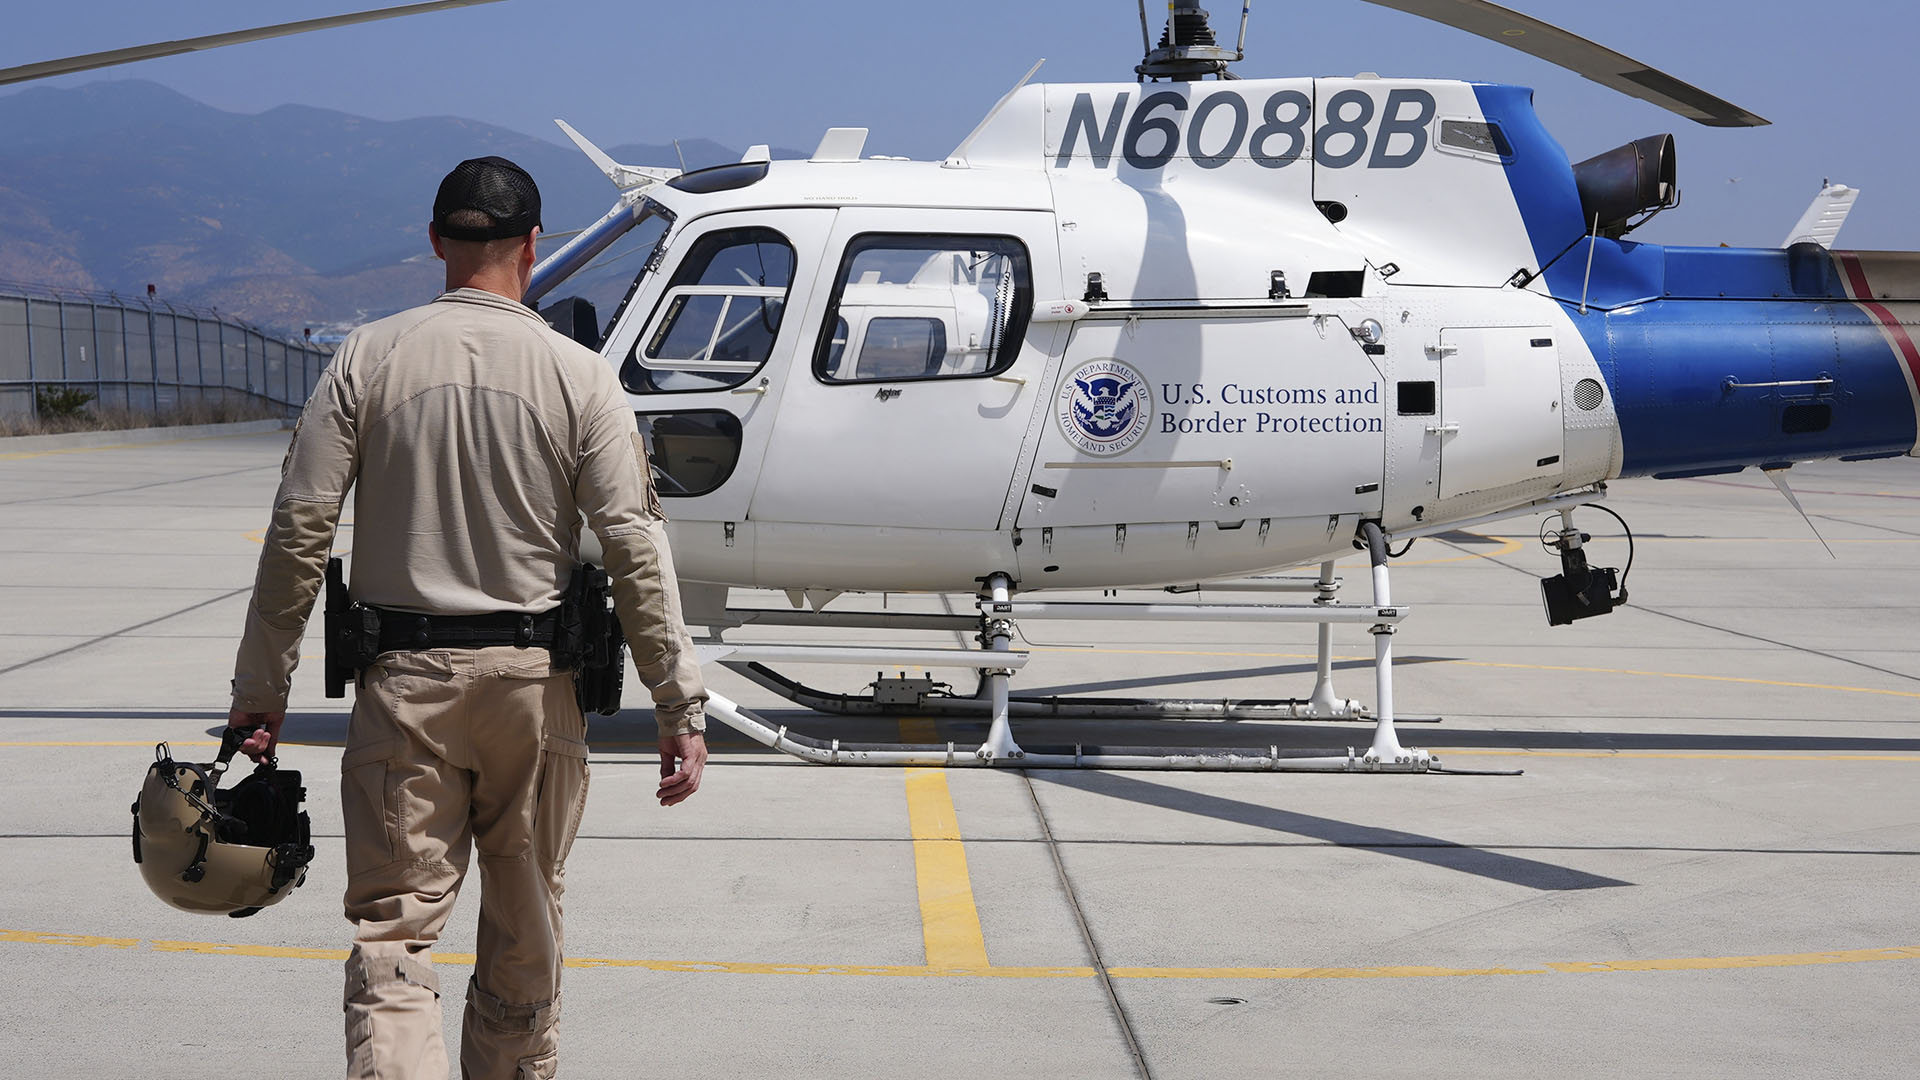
x: 1822, y: 221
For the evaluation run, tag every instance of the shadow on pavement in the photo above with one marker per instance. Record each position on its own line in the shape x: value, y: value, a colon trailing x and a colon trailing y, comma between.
x: 1512, y: 869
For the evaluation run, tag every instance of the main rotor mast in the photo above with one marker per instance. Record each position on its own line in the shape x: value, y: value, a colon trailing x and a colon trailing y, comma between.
x: 1188, y: 50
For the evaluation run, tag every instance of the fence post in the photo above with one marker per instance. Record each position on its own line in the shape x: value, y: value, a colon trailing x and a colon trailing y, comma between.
x: 93, y: 334
x: 175, y: 312
x: 199, y: 362
x: 153, y: 358
x: 33, y: 377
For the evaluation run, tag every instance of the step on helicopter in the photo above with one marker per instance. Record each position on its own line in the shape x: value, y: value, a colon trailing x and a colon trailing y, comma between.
x: 1186, y: 331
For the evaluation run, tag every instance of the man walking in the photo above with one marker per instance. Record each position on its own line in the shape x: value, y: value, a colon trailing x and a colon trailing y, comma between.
x: 475, y: 439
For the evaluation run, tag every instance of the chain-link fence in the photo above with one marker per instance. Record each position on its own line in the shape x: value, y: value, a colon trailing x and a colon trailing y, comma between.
x: 143, y: 355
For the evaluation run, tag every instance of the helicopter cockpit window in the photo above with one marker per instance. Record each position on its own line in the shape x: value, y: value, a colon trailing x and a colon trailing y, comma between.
x: 925, y: 307
x: 716, y: 324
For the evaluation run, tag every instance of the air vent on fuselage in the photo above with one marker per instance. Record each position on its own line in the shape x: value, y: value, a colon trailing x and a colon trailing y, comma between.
x: 1806, y: 419
x: 1336, y: 284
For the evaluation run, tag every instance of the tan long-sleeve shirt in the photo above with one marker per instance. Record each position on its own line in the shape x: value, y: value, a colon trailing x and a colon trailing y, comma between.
x: 475, y: 439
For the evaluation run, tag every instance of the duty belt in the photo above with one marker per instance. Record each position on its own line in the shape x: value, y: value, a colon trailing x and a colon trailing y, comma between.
x: 405, y: 631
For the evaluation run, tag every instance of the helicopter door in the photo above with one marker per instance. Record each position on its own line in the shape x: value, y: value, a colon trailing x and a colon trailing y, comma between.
x: 1499, y: 417
x: 910, y: 401
x: 702, y: 344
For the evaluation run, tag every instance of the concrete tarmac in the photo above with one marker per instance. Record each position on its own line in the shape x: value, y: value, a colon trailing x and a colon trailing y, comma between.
x: 1707, y: 870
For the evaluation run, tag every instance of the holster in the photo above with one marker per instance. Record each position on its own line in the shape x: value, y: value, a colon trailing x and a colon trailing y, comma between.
x: 353, y: 633
x: 590, y: 641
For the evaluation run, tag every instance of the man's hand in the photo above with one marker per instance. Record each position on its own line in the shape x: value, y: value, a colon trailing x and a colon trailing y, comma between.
x: 689, y: 752
x: 261, y: 744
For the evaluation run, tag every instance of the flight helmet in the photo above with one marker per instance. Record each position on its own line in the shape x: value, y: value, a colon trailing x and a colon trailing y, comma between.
x: 221, y: 852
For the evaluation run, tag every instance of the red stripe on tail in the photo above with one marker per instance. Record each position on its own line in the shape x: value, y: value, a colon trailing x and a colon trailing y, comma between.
x: 1895, y: 329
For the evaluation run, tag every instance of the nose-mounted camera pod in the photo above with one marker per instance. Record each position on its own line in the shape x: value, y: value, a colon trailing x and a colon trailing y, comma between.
x: 1581, y: 590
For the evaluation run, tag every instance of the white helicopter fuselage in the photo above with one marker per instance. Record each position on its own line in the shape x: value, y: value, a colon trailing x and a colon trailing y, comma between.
x: 1134, y: 334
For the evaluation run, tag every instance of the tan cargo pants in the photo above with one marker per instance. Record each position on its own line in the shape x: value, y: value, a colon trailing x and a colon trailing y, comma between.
x: 448, y: 748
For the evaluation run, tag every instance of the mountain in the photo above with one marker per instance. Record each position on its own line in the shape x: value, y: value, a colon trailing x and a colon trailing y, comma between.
x: 292, y: 217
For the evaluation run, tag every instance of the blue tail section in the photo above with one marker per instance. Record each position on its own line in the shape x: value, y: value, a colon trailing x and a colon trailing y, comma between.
x: 1719, y: 359
x: 1710, y: 386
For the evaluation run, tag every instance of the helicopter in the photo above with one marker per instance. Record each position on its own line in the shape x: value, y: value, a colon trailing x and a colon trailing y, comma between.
x: 1184, y: 332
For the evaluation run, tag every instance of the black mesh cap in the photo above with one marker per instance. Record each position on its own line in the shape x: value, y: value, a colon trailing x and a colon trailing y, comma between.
x: 495, y: 187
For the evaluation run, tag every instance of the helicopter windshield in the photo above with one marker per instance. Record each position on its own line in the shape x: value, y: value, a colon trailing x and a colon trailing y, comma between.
x: 716, y: 324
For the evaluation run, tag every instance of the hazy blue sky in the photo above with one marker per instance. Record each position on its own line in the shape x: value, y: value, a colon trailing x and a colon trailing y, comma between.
x: 1832, y: 76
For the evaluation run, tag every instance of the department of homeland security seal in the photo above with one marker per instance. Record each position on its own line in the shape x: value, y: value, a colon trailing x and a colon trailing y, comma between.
x: 1104, y: 408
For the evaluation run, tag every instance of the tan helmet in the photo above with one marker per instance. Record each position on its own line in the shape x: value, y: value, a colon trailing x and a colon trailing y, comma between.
x: 218, y: 852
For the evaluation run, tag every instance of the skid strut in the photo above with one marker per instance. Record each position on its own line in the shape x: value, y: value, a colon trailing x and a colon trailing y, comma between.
x: 997, y: 660
x: 934, y: 701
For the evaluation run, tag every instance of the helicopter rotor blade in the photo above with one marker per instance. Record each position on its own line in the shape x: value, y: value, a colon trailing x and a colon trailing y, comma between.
x: 1580, y: 56
x: 90, y: 61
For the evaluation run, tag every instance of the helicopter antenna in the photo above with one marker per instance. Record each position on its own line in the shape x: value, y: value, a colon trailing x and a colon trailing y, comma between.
x: 1188, y: 50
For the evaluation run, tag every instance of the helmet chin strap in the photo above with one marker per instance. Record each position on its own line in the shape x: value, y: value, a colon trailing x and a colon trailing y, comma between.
x: 163, y: 754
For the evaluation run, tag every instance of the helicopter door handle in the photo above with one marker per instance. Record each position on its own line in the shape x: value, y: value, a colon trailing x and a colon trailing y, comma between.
x: 1017, y: 380
x: 1443, y: 429
x: 757, y: 388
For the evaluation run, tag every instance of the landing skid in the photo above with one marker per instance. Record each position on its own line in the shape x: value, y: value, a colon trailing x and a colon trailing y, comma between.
x: 937, y: 703
x: 997, y: 662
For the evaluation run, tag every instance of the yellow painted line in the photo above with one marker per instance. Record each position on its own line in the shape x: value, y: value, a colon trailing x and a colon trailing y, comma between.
x: 288, y: 952
x: 1724, y: 963
x: 84, y: 941
x: 1313, y: 973
x: 1655, y: 754
x: 918, y: 729
x: 1578, y: 967
x: 893, y: 970
x: 948, y: 919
